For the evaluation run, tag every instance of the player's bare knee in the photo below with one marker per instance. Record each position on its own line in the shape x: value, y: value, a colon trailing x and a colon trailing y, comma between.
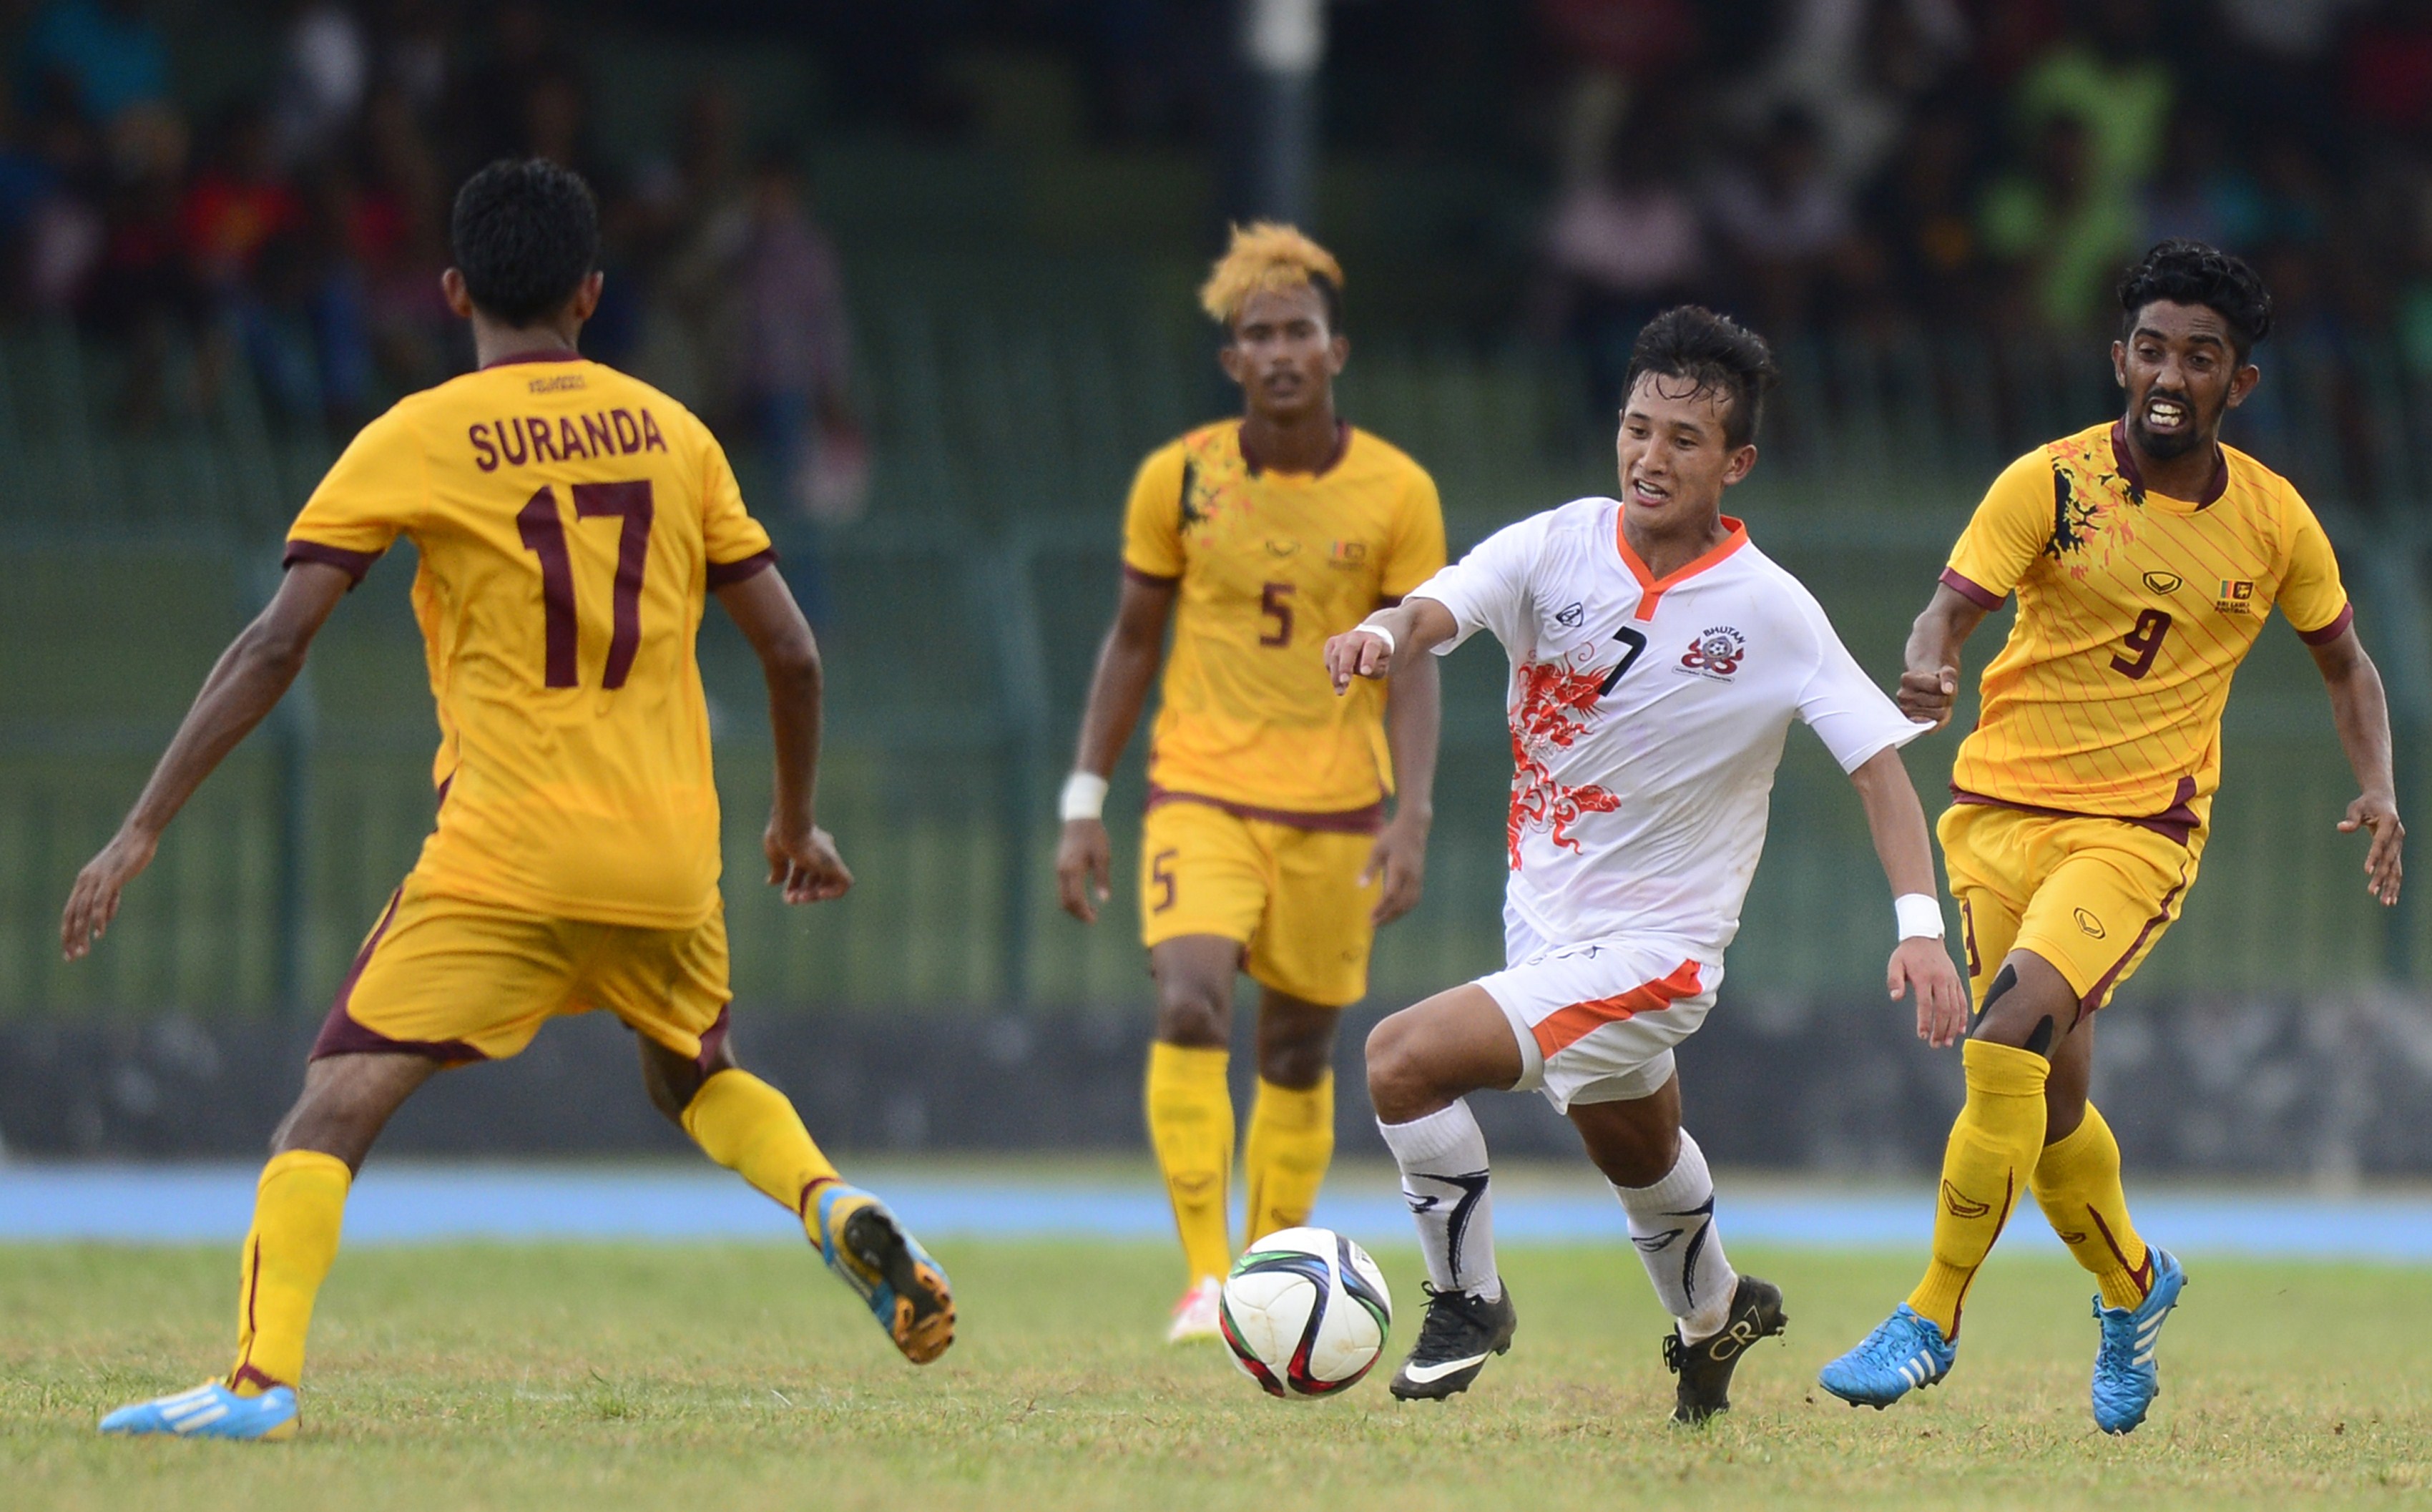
x: 1194, y: 1013
x: 1401, y: 1081
x: 2029, y: 1006
x: 1296, y: 1044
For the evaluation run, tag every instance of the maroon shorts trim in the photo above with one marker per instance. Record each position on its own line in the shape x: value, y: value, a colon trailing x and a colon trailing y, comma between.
x: 1345, y: 821
x: 2100, y: 991
x: 340, y: 1035
x: 353, y: 563
x: 726, y: 574
x: 1967, y: 588
x: 2178, y: 822
x: 711, y: 1037
x: 2331, y: 631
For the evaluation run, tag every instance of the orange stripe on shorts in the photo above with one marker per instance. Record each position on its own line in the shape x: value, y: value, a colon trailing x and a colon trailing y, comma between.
x: 1565, y: 1027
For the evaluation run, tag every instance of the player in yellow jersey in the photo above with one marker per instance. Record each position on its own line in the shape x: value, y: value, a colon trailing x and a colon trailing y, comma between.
x: 2145, y: 556
x: 1266, y: 847
x: 569, y: 522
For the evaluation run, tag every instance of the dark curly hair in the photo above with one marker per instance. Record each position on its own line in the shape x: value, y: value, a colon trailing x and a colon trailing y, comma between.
x: 526, y: 234
x: 1716, y: 353
x: 2182, y: 271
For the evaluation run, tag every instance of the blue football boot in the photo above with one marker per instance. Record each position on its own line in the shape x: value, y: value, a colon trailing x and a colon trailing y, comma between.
x: 905, y: 1289
x: 209, y: 1411
x: 2125, y: 1379
x: 1905, y: 1352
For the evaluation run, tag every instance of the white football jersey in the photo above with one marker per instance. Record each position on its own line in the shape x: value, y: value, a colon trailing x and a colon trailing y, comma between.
x: 1648, y: 717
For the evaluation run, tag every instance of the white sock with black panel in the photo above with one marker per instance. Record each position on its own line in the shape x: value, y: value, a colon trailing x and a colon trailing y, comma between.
x: 1443, y: 1157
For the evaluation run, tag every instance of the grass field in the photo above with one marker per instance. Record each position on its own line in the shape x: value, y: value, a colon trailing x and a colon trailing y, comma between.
x: 738, y: 1377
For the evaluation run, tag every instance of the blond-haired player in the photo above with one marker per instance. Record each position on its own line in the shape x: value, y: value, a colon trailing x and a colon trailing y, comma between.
x: 1266, y: 847
x: 569, y: 522
x: 2145, y: 556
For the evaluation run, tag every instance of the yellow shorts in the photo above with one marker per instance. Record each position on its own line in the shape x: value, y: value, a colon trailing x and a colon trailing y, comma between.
x: 461, y: 981
x: 1291, y: 897
x: 2091, y: 896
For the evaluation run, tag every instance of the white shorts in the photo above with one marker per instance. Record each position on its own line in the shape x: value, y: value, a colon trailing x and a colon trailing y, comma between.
x: 1596, y: 1021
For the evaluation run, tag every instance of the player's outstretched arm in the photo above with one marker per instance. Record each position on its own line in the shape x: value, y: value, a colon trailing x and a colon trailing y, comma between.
x: 1413, y: 724
x: 1388, y: 640
x: 1118, y: 690
x: 2361, y: 712
x: 803, y: 857
x: 243, y: 688
x: 1897, y: 820
x: 1930, y: 676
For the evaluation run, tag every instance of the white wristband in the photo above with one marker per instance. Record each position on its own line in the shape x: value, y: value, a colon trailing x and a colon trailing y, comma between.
x: 1920, y: 915
x: 1084, y: 797
x: 1363, y: 628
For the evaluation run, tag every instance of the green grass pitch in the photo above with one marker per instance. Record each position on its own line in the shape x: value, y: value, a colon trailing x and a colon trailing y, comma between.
x: 736, y: 1377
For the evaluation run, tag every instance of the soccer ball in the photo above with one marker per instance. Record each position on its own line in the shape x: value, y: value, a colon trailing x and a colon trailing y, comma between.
x: 1305, y: 1312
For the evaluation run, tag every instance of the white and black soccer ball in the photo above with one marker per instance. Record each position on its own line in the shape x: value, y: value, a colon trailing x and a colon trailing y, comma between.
x: 1305, y: 1312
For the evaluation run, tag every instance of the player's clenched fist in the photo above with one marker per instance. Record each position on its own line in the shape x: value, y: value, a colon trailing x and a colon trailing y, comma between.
x: 806, y: 865
x: 1926, y: 697
x: 1358, y: 652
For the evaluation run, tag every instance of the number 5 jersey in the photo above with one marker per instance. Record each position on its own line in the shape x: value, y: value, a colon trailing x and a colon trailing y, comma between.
x: 1269, y: 565
x: 2134, y: 609
x: 570, y: 520
x: 1647, y: 716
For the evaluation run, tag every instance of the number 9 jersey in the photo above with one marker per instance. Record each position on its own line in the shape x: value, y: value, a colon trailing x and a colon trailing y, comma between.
x: 2134, y: 611
x: 570, y: 520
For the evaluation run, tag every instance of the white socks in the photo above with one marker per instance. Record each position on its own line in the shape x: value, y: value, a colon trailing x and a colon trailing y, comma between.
x: 1442, y: 1158
x: 1672, y: 1223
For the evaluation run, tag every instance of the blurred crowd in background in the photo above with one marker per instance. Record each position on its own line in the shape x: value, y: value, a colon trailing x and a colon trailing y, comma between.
x: 1877, y: 165
x: 302, y: 232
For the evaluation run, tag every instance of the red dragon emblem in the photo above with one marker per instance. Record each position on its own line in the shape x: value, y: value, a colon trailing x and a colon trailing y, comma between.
x: 1553, y: 709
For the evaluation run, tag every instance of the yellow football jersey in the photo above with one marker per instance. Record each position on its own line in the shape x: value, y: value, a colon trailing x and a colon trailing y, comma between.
x: 569, y: 521
x: 1271, y: 564
x: 2134, y: 609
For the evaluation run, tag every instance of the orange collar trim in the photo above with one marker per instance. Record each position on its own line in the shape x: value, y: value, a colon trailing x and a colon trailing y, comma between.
x: 1651, y: 588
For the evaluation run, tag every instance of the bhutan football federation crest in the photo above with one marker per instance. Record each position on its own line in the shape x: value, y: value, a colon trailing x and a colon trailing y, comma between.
x: 1716, y: 653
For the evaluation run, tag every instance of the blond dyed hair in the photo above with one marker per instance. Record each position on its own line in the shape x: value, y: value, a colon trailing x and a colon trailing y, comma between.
x: 1266, y: 257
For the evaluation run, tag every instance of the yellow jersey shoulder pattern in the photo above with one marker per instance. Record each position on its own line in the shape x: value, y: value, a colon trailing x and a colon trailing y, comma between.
x: 1267, y: 565
x: 568, y: 520
x: 2134, y: 609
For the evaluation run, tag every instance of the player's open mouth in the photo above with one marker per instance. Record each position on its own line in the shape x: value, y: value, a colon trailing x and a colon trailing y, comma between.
x: 1647, y: 493
x: 2165, y: 414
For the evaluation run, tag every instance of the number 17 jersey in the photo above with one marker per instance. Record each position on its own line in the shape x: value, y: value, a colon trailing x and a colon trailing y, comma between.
x: 570, y: 520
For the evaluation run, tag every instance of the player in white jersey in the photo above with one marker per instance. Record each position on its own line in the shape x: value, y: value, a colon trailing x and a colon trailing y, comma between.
x: 1658, y: 660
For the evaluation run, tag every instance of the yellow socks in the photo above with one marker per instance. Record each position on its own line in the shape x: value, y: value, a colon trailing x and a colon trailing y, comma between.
x: 1290, y: 1140
x: 752, y: 1129
x: 1994, y: 1146
x: 1190, y: 1124
x: 296, y: 1209
x: 2077, y: 1181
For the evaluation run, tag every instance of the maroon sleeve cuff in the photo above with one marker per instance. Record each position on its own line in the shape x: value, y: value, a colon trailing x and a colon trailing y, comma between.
x: 724, y: 574
x: 2331, y: 631
x: 1975, y: 592
x: 353, y: 563
x: 1150, y: 578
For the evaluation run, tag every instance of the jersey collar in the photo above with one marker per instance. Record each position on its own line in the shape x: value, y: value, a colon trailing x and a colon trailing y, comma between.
x: 1651, y: 588
x: 1333, y: 459
x: 544, y: 355
x: 2127, y: 462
